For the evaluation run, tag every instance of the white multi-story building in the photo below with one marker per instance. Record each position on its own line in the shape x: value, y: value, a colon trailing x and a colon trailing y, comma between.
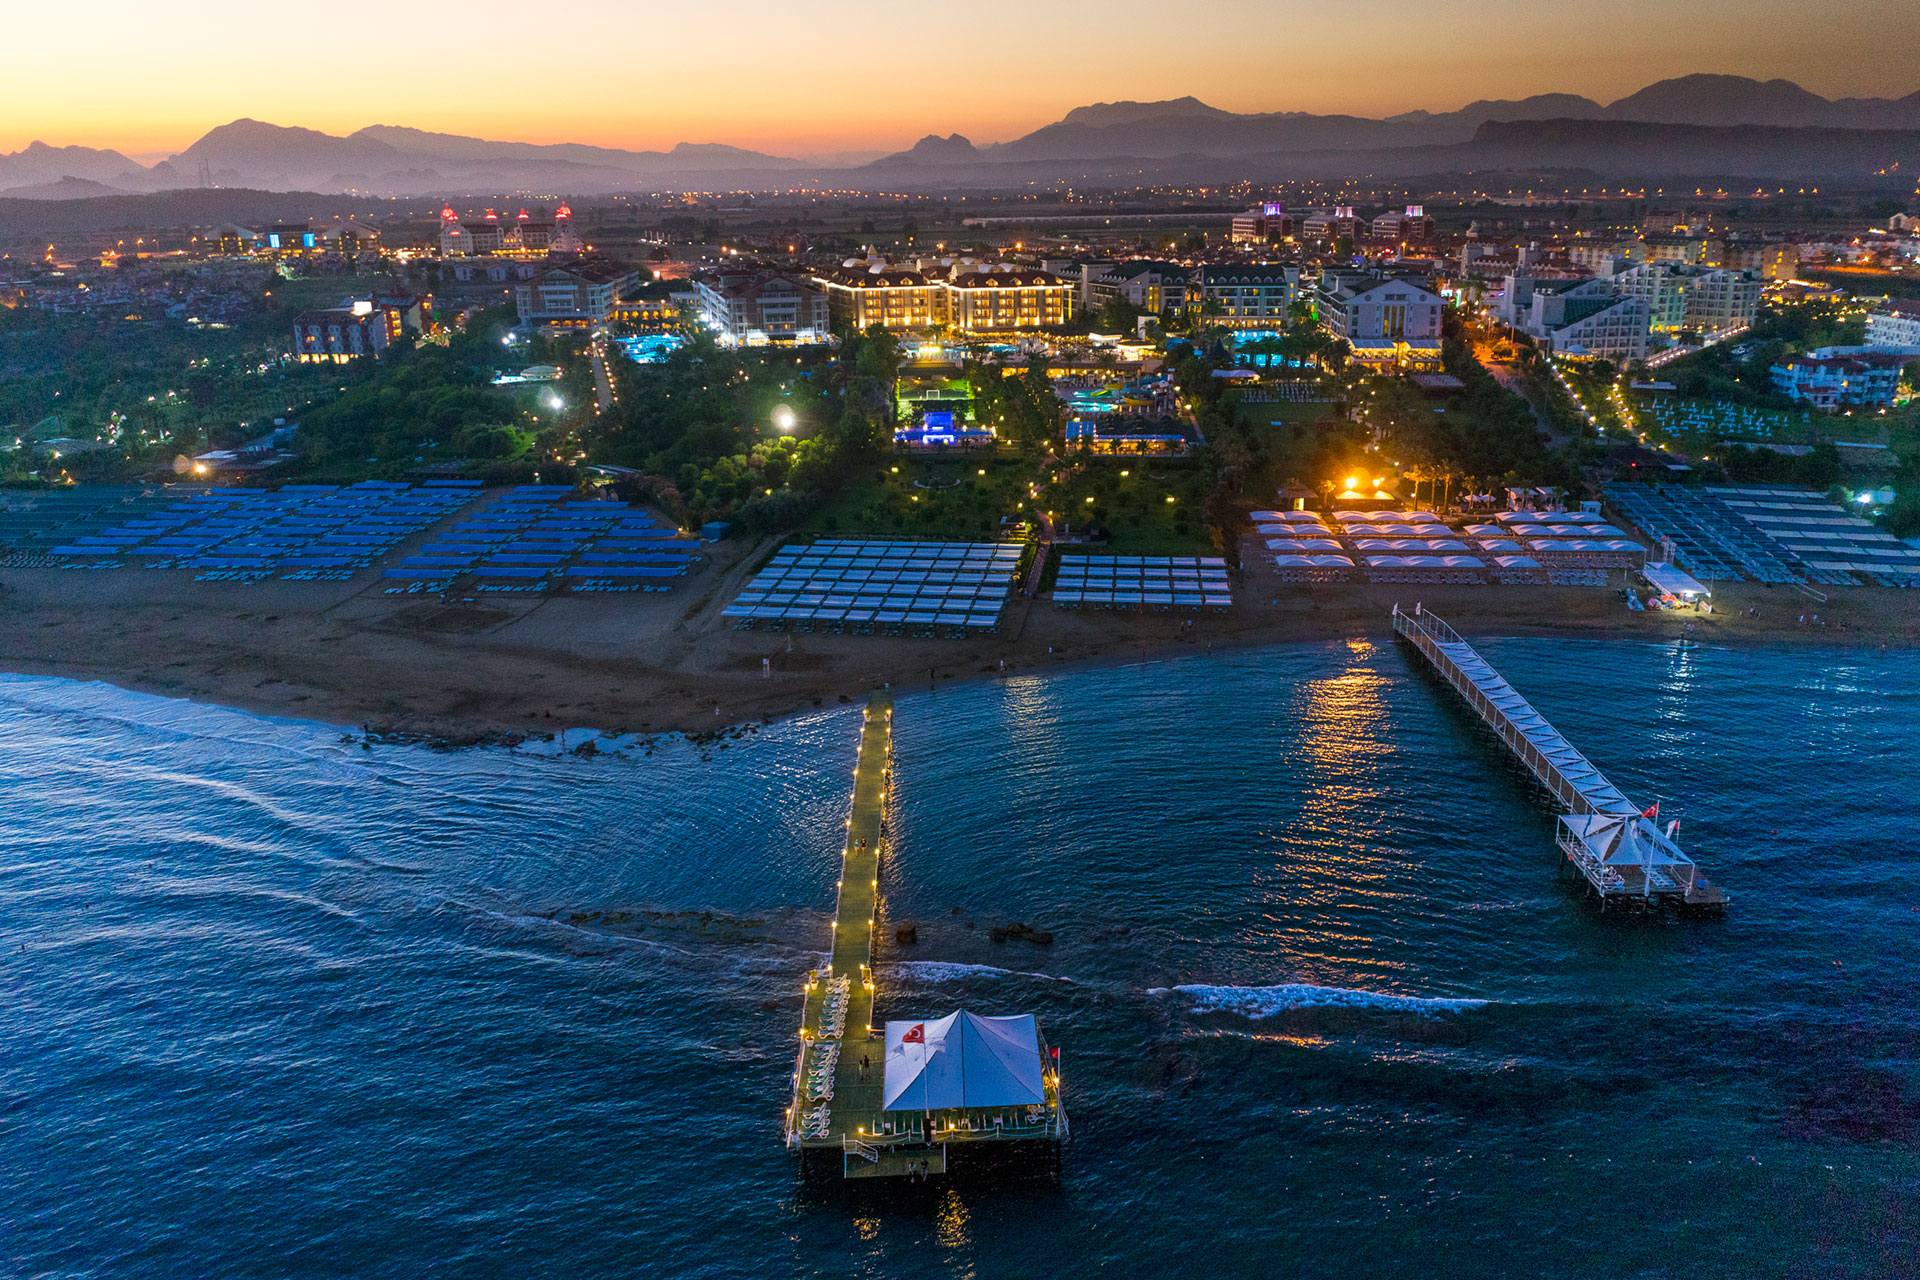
x: 1584, y: 318
x: 1719, y: 299
x: 580, y: 293
x: 1840, y: 377
x: 1682, y: 297
x: 1359, y: 304
x: 752, y: 308
x: 1894, y: 325
x: 1245, y: 297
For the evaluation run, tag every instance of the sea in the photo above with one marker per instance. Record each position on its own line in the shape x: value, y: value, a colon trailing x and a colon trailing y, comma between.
x: 279, y: 1002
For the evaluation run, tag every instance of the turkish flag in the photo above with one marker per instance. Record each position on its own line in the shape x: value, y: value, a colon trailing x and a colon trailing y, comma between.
x: 1654, y: 812
x: 916, y: 1034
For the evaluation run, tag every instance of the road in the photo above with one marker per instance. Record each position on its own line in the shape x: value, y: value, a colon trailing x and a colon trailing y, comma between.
x: 602, y: 380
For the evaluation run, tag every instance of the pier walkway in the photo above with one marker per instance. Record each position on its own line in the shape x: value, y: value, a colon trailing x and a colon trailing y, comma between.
x: 1616, y: 845
x: 839, y: 1076
x: 831, y: 1084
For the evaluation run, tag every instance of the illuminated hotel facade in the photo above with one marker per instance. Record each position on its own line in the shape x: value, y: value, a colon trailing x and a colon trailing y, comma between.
x: 972, y: 301
x: 521, y: 234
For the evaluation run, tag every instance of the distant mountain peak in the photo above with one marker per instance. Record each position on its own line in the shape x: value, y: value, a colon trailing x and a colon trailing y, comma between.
x: 1105, y: 114
x: 934, y: 149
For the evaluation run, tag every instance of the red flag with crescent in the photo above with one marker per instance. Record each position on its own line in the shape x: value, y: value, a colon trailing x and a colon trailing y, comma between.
x: 1654, y: 812
x: 916, y: 1034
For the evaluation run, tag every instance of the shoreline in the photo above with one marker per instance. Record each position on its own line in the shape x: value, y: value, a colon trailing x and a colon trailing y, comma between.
x: 466, y: 672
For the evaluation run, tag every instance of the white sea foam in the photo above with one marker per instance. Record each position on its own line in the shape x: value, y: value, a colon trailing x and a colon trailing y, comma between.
x: 1264, y: 1002
x: 952, y: 971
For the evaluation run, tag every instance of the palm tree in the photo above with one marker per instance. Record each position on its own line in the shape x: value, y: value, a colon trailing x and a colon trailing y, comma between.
x: 1416, y: 472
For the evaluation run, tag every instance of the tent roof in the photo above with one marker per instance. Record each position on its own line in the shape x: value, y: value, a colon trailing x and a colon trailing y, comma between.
x: 1622, y: 839
x: 963, y: 1060
x: 1673, y: 581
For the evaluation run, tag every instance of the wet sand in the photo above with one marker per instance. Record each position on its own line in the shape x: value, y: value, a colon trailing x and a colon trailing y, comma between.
x: 462, y: 670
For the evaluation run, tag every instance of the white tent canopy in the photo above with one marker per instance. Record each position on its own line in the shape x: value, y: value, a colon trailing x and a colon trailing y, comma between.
x: 963, y: 1060
x: 1671, y: 580
x: 1625, y: 839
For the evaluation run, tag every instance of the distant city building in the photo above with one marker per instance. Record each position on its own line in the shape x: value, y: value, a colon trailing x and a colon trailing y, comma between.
x: 1157, y: 288
x: 1408, y: 226
x: 752, y: 308
x: 1331, y: 224
x: 1245, y: 297
x: 340, y: 334
x: 576, y: 294
x: 1262, y: 225
x: 233, y: 241
x: 290, y: 238
x: 349, y: 239
x: 1777, y: 260
x: 1695, y: 250
x: 1895, y: 325
x: 1840, y: 377
x: 521, y: 234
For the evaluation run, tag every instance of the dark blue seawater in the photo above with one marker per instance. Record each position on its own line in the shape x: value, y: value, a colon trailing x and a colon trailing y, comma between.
x: 275, y: 1005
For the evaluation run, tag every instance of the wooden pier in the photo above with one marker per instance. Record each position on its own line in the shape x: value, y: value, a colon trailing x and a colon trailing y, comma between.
x: 1616, y: 845
x: 839, y: 1073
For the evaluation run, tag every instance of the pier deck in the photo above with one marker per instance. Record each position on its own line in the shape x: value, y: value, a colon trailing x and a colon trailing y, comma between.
x: 837, y: 1020
x: 839, y: 1076
x: 1613, y: 843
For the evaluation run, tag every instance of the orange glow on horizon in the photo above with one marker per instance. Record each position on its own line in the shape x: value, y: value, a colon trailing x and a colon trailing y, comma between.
x: 781, y: 78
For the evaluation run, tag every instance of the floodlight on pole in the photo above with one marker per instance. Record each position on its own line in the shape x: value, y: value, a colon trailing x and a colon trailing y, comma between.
x: 783, y: 418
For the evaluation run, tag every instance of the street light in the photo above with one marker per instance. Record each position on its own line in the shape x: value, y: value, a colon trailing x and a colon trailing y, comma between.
x: 783, y: 419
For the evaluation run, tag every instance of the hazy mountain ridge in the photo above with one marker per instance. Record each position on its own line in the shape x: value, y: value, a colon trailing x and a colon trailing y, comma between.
x: 1182, y: 135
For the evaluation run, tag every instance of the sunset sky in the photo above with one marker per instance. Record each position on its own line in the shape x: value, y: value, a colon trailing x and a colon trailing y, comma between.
x: 793, y: 78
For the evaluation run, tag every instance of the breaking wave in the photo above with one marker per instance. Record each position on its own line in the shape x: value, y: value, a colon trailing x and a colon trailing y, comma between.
x: 1265, y: 1002
x: 953, y: 971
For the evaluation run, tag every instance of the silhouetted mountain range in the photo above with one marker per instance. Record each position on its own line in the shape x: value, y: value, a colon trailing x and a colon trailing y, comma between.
x: 1655, y: 131
x: 1187, y: 126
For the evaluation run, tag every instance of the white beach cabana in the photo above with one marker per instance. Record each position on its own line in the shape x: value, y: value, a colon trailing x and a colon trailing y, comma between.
x: 1671, y: 580
x: 963, y: 1060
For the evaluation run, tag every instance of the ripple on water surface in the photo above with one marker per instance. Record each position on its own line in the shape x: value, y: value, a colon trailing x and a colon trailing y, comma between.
x: 279, y: 1005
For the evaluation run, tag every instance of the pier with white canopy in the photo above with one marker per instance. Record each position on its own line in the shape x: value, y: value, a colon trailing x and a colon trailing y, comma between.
x: 1614, y: 843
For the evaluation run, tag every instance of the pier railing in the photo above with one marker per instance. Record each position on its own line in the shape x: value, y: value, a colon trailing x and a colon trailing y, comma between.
x: 1566, y: 775
x: 1648, y: 865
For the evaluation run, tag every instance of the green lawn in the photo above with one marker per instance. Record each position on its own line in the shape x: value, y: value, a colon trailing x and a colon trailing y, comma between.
x: 927, y: 498
x: 1129, y: 497
x: 1268, y: 415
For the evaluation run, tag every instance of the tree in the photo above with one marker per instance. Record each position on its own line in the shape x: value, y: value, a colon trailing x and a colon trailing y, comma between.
x: 1116, y: 315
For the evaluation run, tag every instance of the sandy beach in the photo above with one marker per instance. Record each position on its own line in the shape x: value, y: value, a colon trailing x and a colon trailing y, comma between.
x: 467, y: 669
